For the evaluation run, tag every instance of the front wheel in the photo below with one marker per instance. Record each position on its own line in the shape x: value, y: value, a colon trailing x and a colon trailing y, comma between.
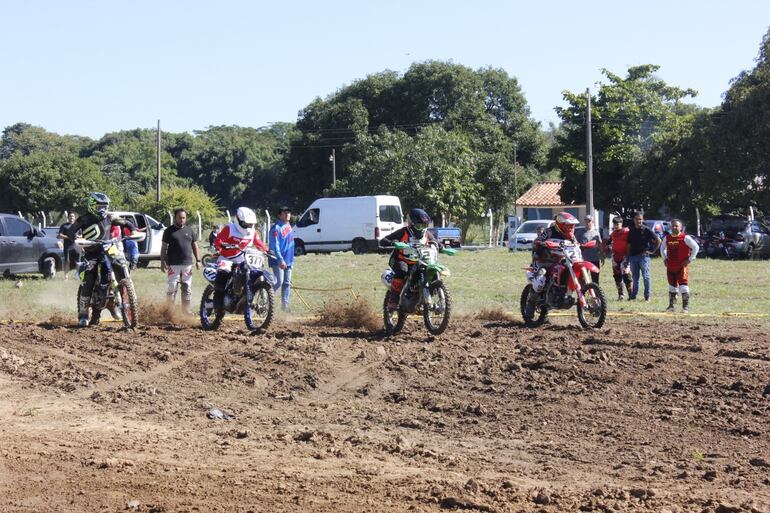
x: 259, y: 312
x: 359, y: 246
x: 129, y: 301
x: 210, y: 317
x: 436, y: 314
x: 394, y: 319
x: 595, y: 311
x: 299, y: 248
x: 533, y: 312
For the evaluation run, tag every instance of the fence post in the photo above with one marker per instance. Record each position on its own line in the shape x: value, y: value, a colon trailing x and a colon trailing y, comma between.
x: 200, y: 225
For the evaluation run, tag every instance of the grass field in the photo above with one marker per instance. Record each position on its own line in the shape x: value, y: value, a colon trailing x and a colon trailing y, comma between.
x: 480, y: 279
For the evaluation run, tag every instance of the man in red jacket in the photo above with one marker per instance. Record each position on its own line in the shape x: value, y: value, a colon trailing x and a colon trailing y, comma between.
x: 621, y: 269
x: 678, y: 250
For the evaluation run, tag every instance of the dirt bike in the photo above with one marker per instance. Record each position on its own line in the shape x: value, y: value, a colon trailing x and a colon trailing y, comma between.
x: 113, y: 288
x: 210, y: 257
x: 423, y: 289
x: 568, y: 284
x: 249, y: 291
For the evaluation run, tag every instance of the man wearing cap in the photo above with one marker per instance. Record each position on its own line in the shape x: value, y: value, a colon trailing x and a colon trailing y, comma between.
x: 282, y: 246
x: 595, y: 255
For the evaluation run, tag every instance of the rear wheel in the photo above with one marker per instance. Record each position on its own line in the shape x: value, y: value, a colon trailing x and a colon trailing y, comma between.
x: 259, y: 313
x: 533, y: 312
x: 595, y: 311
x: 143, y: 264
x: 436, y: 315
x: 394, y: 319
x: 129, y: 301
x: 210, y: 317
x: 359, y: 246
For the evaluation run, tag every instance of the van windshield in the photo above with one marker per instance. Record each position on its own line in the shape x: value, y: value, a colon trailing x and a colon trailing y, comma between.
x: 390, y: 214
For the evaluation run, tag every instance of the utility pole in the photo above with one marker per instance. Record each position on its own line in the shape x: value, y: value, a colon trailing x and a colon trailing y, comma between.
x: 157, y: 198
x: 589, y: 159
x: 333, y: 159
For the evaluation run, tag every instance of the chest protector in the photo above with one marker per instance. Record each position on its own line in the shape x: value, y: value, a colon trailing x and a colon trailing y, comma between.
x: 678, y: 252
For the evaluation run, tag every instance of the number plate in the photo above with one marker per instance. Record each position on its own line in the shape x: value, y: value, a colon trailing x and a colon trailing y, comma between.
x: 254, y: 260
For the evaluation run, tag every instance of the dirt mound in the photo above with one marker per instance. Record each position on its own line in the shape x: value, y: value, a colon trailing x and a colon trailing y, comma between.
x: 493, y: 314
x: 357, y: 314
x: 162, y: 313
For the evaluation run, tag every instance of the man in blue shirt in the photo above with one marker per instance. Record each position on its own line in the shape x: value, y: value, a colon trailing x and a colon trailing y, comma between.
x: 282, y: 246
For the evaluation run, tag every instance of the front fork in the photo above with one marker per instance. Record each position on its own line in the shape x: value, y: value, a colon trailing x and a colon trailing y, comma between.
x: 116, y: 298
x: 586, y: 275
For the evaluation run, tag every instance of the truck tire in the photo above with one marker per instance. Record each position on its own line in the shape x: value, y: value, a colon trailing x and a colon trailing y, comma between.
x: 359, y: 246
x: 299, y: 248
x: 48, y: 267
x: 143, y: 264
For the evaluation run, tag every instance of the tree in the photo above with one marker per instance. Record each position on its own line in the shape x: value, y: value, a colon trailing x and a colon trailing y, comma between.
x: 193, y: 199
x: 43, y: 181
x: 630, y: 115
x: 486, y: 106
x: 237, y: 165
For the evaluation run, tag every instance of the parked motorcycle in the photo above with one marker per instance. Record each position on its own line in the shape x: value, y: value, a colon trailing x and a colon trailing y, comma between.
x: 424, y: 290
x: 723, y: 246
x: 113, y: 288
x: 568, y: 284
x: 249, y: 292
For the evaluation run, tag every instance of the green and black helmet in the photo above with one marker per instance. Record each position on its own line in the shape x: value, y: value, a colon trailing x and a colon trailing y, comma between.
x: 97, y: 204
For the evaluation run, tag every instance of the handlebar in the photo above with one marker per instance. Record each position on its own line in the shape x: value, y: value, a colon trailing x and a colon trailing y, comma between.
x: 92, y: 243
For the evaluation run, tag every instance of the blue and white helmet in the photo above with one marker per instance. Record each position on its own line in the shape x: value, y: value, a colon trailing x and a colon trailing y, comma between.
x: 387, y: 277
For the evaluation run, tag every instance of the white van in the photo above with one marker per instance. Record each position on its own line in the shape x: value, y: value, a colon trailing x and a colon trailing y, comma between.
x: 340, y: 224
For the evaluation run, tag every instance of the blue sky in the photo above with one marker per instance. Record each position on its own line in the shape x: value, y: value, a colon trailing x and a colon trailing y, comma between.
x: 89, y: 68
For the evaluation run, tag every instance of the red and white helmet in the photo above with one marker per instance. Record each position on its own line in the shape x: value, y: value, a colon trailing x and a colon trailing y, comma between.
x: 246, y: 221
x: 565, y: 223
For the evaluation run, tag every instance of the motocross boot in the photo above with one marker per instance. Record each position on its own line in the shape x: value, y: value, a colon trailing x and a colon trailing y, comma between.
x: 672, y: 301
x: 686, y: 302
x: 83, y: 311
x: 619, y: 285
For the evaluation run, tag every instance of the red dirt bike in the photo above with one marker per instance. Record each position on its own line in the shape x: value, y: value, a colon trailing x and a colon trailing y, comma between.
x: 568, y: 284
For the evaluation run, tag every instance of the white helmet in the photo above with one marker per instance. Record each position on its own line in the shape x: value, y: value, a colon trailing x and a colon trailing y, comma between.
x: 246, y: 221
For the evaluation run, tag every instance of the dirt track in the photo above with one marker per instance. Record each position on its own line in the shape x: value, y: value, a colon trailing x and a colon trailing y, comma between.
x: 490, y: 416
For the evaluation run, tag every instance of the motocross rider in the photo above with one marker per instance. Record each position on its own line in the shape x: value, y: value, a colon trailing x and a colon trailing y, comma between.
x: 95, y: 225
x: 621, y: 268
x: 562, y: 228
x: 230, y: 243
x: 416, y: 231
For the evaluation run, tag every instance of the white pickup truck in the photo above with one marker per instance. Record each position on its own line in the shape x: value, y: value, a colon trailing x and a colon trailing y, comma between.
x: 149, y: 248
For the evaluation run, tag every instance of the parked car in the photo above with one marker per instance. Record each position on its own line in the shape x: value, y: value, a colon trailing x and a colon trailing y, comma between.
x: 732, y: 236
x: 149, y: 248
x: 341, y: 224
x: 449, y: 237
x: 27, y: 249
x: 526, y: 233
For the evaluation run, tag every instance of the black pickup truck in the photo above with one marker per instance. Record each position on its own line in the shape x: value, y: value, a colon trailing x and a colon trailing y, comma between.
x: 27, y: 249
x: 449, y: 237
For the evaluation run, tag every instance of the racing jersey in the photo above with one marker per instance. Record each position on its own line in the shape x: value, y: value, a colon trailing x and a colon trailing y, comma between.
x: 407, y: 236
x: 230, y: 235
x: 93, y: 228
x: 619, y: 243
x: 678, y: 250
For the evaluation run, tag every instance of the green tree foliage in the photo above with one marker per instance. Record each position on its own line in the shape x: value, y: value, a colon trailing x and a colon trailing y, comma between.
x: 484, y: 107
x: 193, y: 199
x: 630, y: 116
x: 432, y: 170
x: 128, y: 160
x: 237, y: 165
x: 43, y: 181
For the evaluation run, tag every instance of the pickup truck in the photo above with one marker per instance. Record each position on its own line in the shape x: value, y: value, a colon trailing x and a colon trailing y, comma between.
x: 27, y: 249
x: 448, y: 237
x: 149, y: 248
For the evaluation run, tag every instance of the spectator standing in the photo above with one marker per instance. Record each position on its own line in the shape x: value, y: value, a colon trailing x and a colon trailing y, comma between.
x: 678, y: 251
x: 642, y: 242
x: 180, y: 245
x: 621, y: 269
x: 595, y: 255
x: 131, y: 249
x: 71, y: 250
x: 282, y: 247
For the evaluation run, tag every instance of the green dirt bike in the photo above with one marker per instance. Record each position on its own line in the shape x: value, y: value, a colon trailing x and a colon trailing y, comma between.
x: 113, y: 288
x: 423, y: 289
